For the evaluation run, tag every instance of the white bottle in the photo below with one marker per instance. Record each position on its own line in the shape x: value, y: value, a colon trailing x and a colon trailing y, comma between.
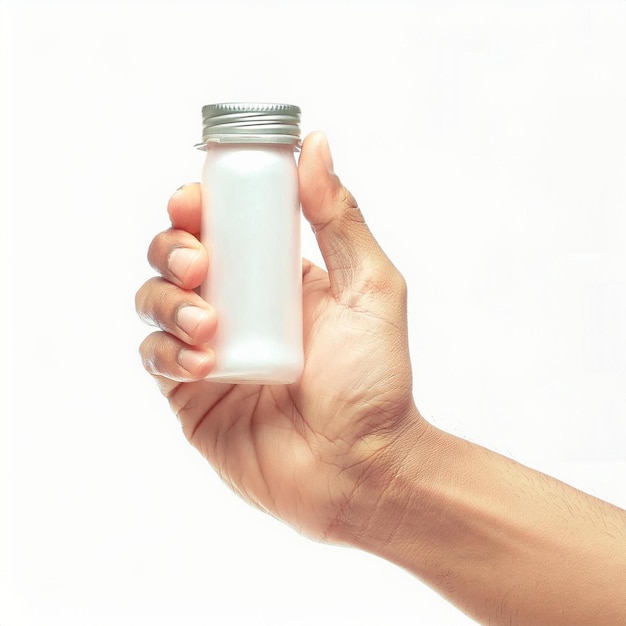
x: 251, y: 229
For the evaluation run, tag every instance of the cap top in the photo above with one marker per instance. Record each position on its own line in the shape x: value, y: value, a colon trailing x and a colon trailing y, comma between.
x: 250, y: 122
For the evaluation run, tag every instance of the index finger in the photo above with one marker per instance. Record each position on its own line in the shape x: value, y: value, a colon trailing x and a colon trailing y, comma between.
x: 185, y: 208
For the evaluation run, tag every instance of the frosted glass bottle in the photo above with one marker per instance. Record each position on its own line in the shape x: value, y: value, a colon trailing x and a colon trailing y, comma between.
x: 251, y: 229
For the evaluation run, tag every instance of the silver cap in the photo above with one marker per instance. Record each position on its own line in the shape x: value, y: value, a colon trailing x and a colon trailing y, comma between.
x: 250, y: 122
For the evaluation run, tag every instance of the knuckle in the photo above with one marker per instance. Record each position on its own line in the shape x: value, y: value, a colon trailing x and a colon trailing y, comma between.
x: 385, y: 280
x: 344, y: 197
x: 158, y: 355
x: 142, y: 302
x: 341, y: 209
x: 165, y: 242
x: 139, y: 300
x: 156, y: 302
x: 398, y: 284
x: 147, y: 352
x: 348, y: 206
x: 155, y: 250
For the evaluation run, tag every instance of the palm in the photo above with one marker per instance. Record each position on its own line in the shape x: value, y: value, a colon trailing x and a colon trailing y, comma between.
x: 297, y: 450
x: 280, y: 445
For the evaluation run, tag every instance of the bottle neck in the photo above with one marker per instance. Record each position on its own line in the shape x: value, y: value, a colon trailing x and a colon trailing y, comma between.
x: 249, y: 144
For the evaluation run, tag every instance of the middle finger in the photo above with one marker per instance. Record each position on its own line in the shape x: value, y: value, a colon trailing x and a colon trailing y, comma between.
x: 180, y: 257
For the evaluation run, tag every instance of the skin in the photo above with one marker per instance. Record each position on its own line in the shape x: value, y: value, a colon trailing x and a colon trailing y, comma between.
x: 344, y: 455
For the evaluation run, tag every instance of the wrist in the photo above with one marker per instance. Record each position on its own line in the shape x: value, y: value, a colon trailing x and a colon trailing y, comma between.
x: 393, y: 492
x: 487, y: 532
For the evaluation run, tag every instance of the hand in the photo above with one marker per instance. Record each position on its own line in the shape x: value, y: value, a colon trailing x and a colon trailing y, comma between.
x: 343, y: 454
x: 301, y: 451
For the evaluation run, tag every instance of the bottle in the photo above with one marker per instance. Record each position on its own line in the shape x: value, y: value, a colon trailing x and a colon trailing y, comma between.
x: 251, y: 230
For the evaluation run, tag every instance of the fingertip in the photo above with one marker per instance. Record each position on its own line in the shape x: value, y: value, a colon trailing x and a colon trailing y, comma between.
x: 317, y: 142
x: 185, y: 208
x: 322, y: 194
x: 316, y: 176
x: 316, y: 146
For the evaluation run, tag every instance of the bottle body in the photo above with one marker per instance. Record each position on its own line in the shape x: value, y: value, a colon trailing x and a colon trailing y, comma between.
x: 251, y: 229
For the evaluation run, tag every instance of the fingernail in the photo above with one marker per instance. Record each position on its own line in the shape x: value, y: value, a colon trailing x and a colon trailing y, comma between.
x: 327, y: 156
x: 180, y: 260
x: 189, y: 318
x: 193, y: 360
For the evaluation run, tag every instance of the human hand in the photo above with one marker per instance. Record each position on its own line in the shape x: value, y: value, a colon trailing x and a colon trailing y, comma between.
x: 302, y: 452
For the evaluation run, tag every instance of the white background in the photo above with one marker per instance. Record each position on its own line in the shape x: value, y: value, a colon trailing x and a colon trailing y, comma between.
x: 486, y: 144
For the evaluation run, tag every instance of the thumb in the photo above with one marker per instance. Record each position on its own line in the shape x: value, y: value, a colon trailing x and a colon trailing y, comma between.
x: 353, y: 258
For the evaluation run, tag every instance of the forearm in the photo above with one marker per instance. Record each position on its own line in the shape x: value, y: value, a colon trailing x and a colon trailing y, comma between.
x: 504, y: 543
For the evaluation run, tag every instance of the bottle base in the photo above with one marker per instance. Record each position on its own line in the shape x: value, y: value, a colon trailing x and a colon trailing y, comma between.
x: 286, y: 375
x: 252, y: 379
x: 257, y: 363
